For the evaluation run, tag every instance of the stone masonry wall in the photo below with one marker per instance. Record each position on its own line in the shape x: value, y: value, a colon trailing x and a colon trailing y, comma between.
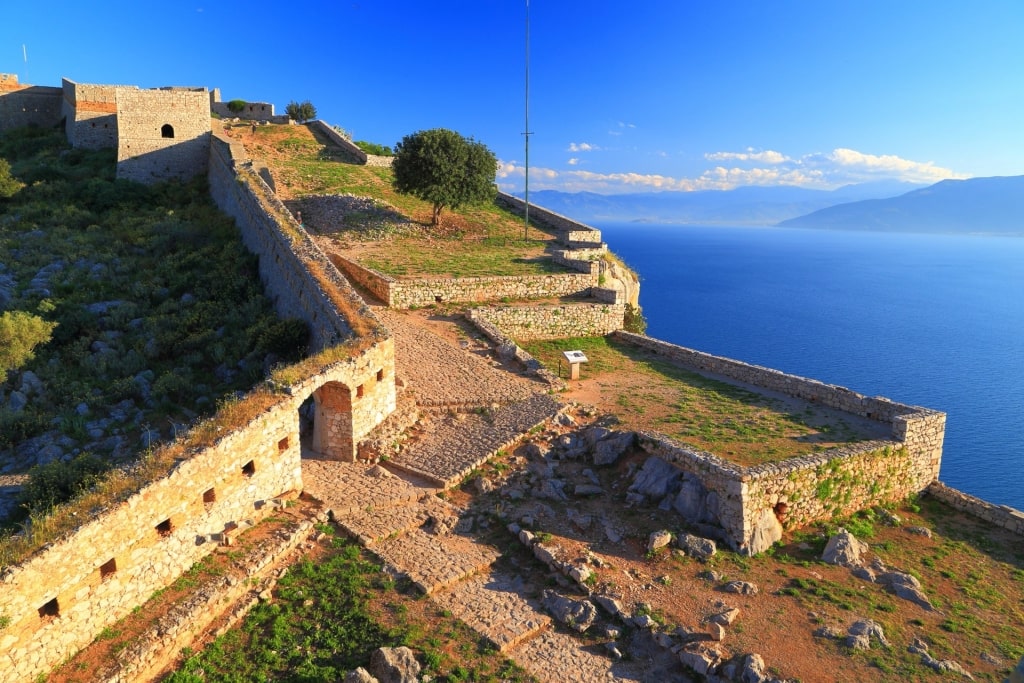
x: 750, y: 502
x: 525, y: 323
x: 339, y: 140
x: 90, y: 113
x: 426, y: 291
x: 573, y: 232
x: 145, y: 152
x: 28, y: 105
x: 61, y: 597
x: 242, y: 194
x: 999, y: 515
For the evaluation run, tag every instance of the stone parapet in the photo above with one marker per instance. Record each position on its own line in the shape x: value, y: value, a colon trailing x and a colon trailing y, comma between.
x: 571, y: 233
x: 339, y: 140
x: 28, y: 105
x: 997, y: 515
x: 556, y: 321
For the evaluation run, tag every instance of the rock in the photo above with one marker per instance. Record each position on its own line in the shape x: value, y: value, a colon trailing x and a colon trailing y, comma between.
x: 710, y: 575
x: 608, y: 604
x: 482, y: 485
x: 535, y: 451
x: 919, y: 531
x: 587, y: 490
x: 887, y: 517
x: 591, y: 476
x: 30, y: 384
x: 645, y: 621
x: 753, y: 669
x: 16, y: 402
x: 565, y: 420
x: 905, y: 586
x: 740, y: 587
x: 696, y: 546
x: 580, y: 573
x: 360, y: 675
x: 610, y: 449
x: 702, y: 660
x: 550, y: 489
x: 862, y: 632
x: 726, y: 617
x: 827, y: 632
x: 592, y: 435
x: 691, y: 501
x: 658, y: 539
x: 864, y: 573
x: 767, y: 529
x: 576, y: 614
x: 844, y: 550
x: 655, y: 479
x: 717, y: 631
x: 394, y: 665
x: 944, y: 665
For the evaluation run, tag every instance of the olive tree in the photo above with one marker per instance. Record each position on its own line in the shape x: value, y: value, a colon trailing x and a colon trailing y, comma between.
x: 301, y: 111
x: 442, y: 167
x: 20, y: 334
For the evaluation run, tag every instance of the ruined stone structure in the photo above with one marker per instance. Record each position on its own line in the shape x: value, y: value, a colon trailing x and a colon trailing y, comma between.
x: 558, y: 321
x: 252, y: 111
x: 27, y: 105
x: 753, y: 504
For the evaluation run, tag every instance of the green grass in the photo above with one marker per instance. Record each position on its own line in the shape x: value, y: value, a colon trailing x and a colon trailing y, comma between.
x: 730, y: 421
x: 455, y: 257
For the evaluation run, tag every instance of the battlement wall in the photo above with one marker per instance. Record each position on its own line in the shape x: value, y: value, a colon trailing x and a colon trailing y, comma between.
x: 162, y: 134
x: 28, y: 105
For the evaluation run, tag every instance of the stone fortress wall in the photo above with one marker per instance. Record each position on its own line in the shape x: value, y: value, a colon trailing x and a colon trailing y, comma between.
x: 58, y: 599
x: 558, y: 321
x: 262, y: 112
x: 28, y: 105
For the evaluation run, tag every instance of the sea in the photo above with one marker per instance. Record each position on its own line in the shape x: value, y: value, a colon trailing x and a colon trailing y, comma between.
x: 928, y: 320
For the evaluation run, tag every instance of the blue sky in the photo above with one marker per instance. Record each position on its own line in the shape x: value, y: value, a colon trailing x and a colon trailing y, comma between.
x: 624, y: 96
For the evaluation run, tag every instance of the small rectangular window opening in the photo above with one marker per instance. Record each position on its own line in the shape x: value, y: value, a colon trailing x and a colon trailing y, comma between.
x: 282, y: 445
x: 50, y: 609
x: 209, y: 496
x: 380, y: 375
x: 249, y: 468
x: 164, y: 528
x: 359, y: 391
x: 108, y: 569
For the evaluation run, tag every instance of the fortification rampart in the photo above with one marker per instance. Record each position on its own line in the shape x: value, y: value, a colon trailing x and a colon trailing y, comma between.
x: 162, y: 134
x: 425, y: 291
x: 61, y: 597
x: 27, y: 105
x: 572, y: 233
x: 338, y: 139
x: 998, y: 515
x: 558, y: 321
x: 90, y: 114
x: 250, y: 111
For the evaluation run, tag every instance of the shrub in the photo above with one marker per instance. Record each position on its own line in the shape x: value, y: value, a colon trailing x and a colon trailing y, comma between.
x: 237, y: 106
x: 57, y: 482
x: 374, y: 148
x: 20, y: 334
x: 634, y: 320
x: 301, y: 111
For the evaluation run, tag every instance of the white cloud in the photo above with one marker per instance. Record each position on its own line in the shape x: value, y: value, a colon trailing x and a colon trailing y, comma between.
x: 766, y: 157
x: 890, y: 165
x: 582, y: 147
x: 764, y: 168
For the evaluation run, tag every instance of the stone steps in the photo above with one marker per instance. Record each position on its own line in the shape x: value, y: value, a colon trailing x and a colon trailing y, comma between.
x: 373, y: 526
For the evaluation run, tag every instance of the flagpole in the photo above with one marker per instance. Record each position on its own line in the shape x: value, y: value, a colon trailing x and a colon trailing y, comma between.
x: 526, y: 133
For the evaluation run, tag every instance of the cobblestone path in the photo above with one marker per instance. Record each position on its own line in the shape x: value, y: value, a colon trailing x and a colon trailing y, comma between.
x: 464, y: 441
x: 443, y: 373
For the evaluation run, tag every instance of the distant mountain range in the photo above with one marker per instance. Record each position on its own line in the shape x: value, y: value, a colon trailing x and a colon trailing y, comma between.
x: 742, y: 206
x: 977, y: 205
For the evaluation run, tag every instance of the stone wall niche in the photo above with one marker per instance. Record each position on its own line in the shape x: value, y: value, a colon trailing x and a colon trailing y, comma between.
x: 332, y: 422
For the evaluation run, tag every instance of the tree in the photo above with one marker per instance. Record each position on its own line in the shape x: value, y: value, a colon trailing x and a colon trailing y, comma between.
x: 301, y: 111
x: 442, y: 167
x: 20, y: 333
x: 9, y: 185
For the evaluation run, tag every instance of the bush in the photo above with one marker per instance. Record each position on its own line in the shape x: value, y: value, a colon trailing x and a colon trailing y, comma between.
x: 374, y: 148
x: 8, y: 183
x: 58, y: 482
x: 20, y: 334
x: 634, y: 320
x: 237, y: 106
x: 301, y: 111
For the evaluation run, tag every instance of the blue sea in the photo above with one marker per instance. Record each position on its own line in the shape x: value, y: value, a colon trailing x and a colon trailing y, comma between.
x: 929, y: 320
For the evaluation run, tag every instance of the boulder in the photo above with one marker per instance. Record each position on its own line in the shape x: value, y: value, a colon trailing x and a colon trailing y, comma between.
x: 753, y: 669
x: 360, y: 675
x: 844, y: 550
x: 740, y: 588
x: 726, y: 617
x: 905, y: 586
x: 702, y: 660
x: 658, y: 539
x: 576, y: 614
x: 767, y: 529
x: 696, y: 546
x: 591, y: 435
x: 394, y: 665
x: 691, y: 501
x: 587, y: 490
x: 861, y: 633
x: 608, y: 604
x: 656, y: 479
x: 610, y: 449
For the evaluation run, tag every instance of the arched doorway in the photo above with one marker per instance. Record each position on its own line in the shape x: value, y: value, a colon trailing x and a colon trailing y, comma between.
x: 331, y: 436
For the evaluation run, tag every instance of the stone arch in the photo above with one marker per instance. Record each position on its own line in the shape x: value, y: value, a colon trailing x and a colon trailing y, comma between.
x: 167, y: 131
x: 332, y: 434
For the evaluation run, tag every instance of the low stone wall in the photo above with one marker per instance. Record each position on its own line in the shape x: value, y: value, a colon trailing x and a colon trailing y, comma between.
x: 425, y: 291
x: 527, y: 323
x: 62, y: 596
x: 997, y: 515
x: 573, y: 233
x: 339, y: 140
x: 752, y: 504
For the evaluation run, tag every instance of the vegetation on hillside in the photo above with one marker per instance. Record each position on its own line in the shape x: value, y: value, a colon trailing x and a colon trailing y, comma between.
x: 301, y: 111
x: 158, y: 310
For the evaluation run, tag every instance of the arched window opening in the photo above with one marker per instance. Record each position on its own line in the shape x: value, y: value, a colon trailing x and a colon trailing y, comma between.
x: 167, y: 131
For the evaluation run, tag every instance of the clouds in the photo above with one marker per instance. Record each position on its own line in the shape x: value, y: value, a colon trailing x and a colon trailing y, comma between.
x: 828, y: 170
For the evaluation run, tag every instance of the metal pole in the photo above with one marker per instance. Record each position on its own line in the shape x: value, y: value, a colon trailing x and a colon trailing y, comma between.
x: 526, y: 134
